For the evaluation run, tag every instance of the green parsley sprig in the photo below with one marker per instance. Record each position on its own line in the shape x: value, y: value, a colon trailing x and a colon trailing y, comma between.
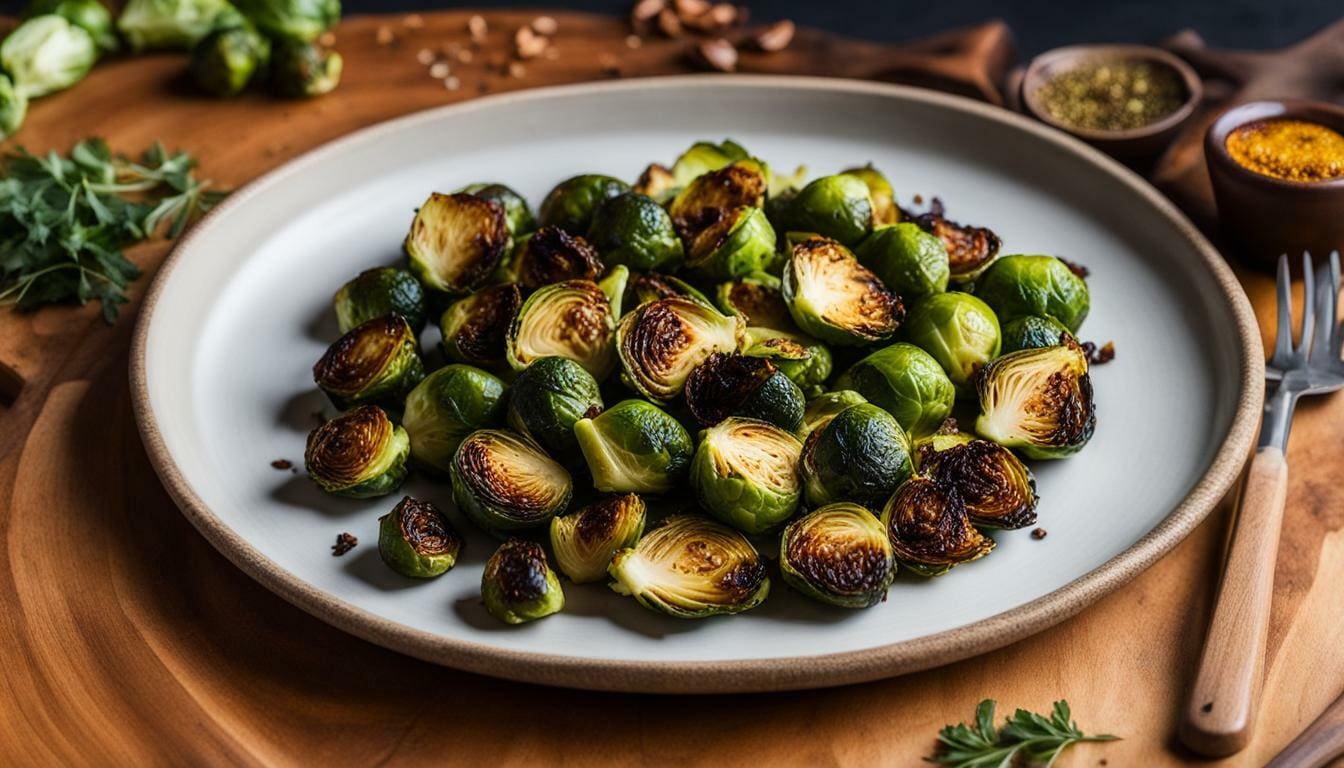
x: 1026, y: 739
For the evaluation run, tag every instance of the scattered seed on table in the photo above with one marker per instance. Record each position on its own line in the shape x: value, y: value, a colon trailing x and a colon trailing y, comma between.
x: 282, y: 464
x: 516, y: 69
x: 545, y: 25
x: 385, y: 36
x: 669, y: 24
x: 633, y: 41
x: 690, y: 9
x: 775, y: 37
x: 477, y: 28
x: 414, y: 21
x: 344, y: 543
x: 439, y: 70
x: 452, y: 83
x: 1038, y: 534
x: 717, y: 54
x: 465, y: 56
x: 425, y: 56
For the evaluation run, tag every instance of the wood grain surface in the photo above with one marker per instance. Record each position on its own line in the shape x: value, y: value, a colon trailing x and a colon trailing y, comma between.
x: 128, y: 640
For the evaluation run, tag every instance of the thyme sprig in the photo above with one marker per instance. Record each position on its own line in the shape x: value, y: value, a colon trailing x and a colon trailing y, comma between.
x: 1026, y: 739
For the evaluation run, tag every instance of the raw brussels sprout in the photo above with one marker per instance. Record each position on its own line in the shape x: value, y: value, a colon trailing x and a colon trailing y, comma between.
x: 908, y: 260
x: 89, y: 15
x: 1038, y: 401
x: 503, y: 482
x: 518, y: 584
x: 634, y: 230
x: 570, y: 319
x: 13, y: 107
x: 475, y: 327
x: 750, y: 387
x: 661, y: 342
x: 448, y: 405
x: 551, y: 255
x: 705, y: 199
x: 359, y: 454
x: 959, y: 330
x: 416, y: 540
x: 738, y: 242
x: 691, y: 567
x: 929, y: 529
x: 883, y: 196
x: 1033, y: 331
x: 838, y: 554
x: 970, y: 250
x: 645, y: 287
x: 585, y: 540
x: 656, y: 182
x: 824, y: 407
x: 298, y: 20
x: 377, y: 292
x: 635, y: 447
x: 906, y: 382
x: 997, y: 488
x: 703, y: 157
x: 839, y: 207
x: 835, y: 298
x: 226, y: 60
x: 1035, y: 285
x: 547, y: 399
x: 456, y: 242
x: 517, y: 213
x: 46, y: 54
x: 805, y: 361
x: 571, y: 205
x: 860, y: 455
x: 757, y: 299
x: 176, y: 24
x: 377, y: 362
x: 303, y: 70
x: 745, y: 473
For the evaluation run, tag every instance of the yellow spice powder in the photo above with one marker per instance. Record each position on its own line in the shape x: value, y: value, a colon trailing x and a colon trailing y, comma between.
x: 1293, y: 150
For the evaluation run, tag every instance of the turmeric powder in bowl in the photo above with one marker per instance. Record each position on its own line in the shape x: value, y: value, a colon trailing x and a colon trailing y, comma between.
x: 1288, y: 149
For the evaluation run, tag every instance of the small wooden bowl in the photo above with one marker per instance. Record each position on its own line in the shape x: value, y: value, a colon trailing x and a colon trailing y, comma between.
x: 1261, y: 216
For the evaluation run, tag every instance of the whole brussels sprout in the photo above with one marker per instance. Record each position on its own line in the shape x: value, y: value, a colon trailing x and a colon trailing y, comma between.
x: 359, y: 454
x: 745, y: 473
x: 1035, y: 285
x: 1031, y: 332
x: 518, y: 584
x: 634, y: 230
x: 757, y: 299
x: 175, y: 24
x: 517, y: 213
x: 804, y: 360
x: 1038, y: 401
x: 929, y: 529
x: 861, y: 455
x: 885, y: 211
x: 456, y: 242
x: 838, y: 554
x: 89, y: 15
x: 703, y: 157
x: 750, y: 387
x: 547, y: 399
x: 960, y: 331
x: 691, y: 567
x: 297, y: 20
x: 824, y: 407
x: 833, y: 297
x: 740, y: 241
x: 997, y: 488
x: 839, y: 207
x: 646, y: 287
x: 585, y: 540
x: 661, y: 342
x: 416, y: 540
x: 906, y: 382
x: 503, y: 482
x: 740, y: 184
x: 551, y: 255
x: 377, y: 362
x: 377, y: 292
x: 572, y: 203
x: 448, y: 405
x: 226, y: 60
x: 635, y: 447
x: 13, y: 108
x: 656, y: 182
x: 908, y: 260
x: 569, y: 319
x: 475, y: 328
x: 303, y: 70
x: 970, y: 250
x: 46, y: 54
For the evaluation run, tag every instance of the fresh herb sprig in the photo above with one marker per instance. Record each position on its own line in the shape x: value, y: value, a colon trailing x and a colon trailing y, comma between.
x: 1026, y: 739
x: 65, y: 219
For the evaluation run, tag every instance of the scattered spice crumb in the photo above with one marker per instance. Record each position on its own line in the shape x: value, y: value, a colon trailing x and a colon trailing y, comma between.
x: 477, y: 28
x: 344, y: 543
x: 775, y: 37
x: 545, y: 25
x: 439, y: 70
x: 919, y: 199
x: 414, y: 21
x: 282, y: 464
x: 385, y: 36
x: 1038, y: 534
x: 633, y: 41
x: 1099, y: 355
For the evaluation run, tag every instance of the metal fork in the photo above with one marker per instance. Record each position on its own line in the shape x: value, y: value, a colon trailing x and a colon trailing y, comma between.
x: 1220, y: 714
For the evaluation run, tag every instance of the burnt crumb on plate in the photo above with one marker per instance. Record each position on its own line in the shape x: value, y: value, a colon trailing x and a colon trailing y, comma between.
x: 1038, y: 534
x: 1099, y: 355
x: 344, y: 543
x: 282, y: 464
x: 1075, y: 267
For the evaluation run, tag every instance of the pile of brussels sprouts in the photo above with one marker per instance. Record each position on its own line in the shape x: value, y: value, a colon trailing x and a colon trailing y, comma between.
x: 779, y: 362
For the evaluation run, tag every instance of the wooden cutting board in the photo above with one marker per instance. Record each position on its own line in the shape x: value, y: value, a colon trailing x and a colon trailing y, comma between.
x: 127, y: 640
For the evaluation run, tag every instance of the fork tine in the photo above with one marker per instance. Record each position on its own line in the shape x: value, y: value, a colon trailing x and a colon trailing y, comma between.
x: 1327, y: 290
x: 1283, y: 341
x: 1308, y: 306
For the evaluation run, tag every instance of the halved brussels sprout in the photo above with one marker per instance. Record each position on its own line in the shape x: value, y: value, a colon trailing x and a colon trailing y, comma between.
x: 377, y: 362
x: 703, y: 157
x: 585, y: 540
x: 645, y: 287
x: 929, y: 529
x: 518, y: 584
x: 860, y: 455
x: 739, y: 184
x: 661, y: 342
x: 448, y: 405
x: 835, y: 298
x: 750, y: 387
x: 804, y: 360
x: 824, y: 407
x: 738, y: 242
x: 89, y: 15
x: 456, y: 241
x: 517, y: 213
x: 302, y: 20
x: 359, y: 454
x: 997, y: 488
x: 1038, y: 401
x: 959, y: 330
x: 883, y: 196
x: 571, y: 204
x: 226, y: 60
x: 634, y: 230
x: 416, y: 540
x: 475, y: 327
x: 745, y: 473
x: 1032, y: 332
x: 504, y: 482
x: 908, y: 260
x: 970, y: 250
x: 551, y: 255
x: 838, y: 554
x: 303, y: 70
x: 569, y: 319
x: 1035, y: 285
x: 905, y: 381
x: 547, y: 399
x: 757, y: 299
x: 46, y: 54
x: 635, y: 447
x: 839, y: 207
x: 613, y: 287
x: 691, y: 567
x: 656, y: 182
x: 377, y: 292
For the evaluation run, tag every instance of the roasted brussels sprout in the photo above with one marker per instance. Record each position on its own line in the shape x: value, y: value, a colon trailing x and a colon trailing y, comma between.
x: 750, y: 387
x: 883, y: 196
x: 745, y: 473
x: 89, y: 15
x: 569, y: 319
x: 645, y: 287
x: 175, y: 24
x: 551, y: 255
x: 757, y: 299
x: 839, y: 207
x: 997, y: 488
x: 804, y: 360
x: 703, y: 157
x: 824, y: 407
x: 634, y: 230
x: 1038, y: 401
x: 661, y: 342
x: 416, y: 540
x: 359, y: 454
x: 46, y: 54
x: 376, y: 362
x: 838, y: 554
x: 835, y: 298
x: 1033, y: 331
x: 302, y: 70
x: 959, y: 330
x: 691, y: 567
x: 547, y: 399
x: 13, y: 108
x: 448, y: 405
x: 456, y: 241
x: 704, y: 200
x: 634, y: 447
x: 860, y: 455
x: 906, y: 382
x: 739, y: 241
x: 585, y: 540
x: 226, y: 60
x: 571, y: 205
x: 377, y: 292
x: 1035, y: 285
x: 613, y: 286
x: 503, y: 482
x: 929, y: 529
x: 475, y: 328
x: 299, y: 20
x: 518, y: 584
x: 517, y: 213
x: 970, y: 250
x: 909, y: 261
x: 656, y: 182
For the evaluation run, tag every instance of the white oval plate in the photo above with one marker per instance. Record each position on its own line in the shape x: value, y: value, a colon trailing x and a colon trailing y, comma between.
x: 233, y: 323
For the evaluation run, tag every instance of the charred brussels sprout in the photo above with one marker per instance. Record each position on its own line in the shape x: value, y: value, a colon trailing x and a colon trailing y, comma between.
x: 750, y: 387
x: 656, y: 182
x: 835, y: 298
x: 703, y: 157
x: 13, y: 107
x: 908, y: 260
x: 883, y: 196
x: 89, y: 15
x: 551, y: 255
x: 1032, y: 332
x: 691, y: 567
x: 585, y: 540
x: 416, y: 540
x: 805, y: 361
x: 634, y: 447
x: 959, y: 330
x: 738, y: 242
x: 824, y: 407
x: 660, y: 343
x: 475, y: 327
x: 997, y: 488
x: 46, y: 54
x: 226, y: 60
x: 517, y: 213
x: 839, y: 207
x: 503, y: 482
x: 303, y: 70
x: 645, y: 287
x: 861, y: 455
x: 708, y: 197
x: 1038, y: 401
x: 456, y: 242
x: 448, y: 405
x: 745, y: 473
x: 518, y: 584
x: 1035, y: 285
x: 570, y: 319
x: 572, y: 203
x: 301, y: 20
x: 906, y: 382
x: 634, y: 230
x: 757, y: 299
x: 547, y: 399
x: 377, y: 292
x: 377, y: 362
x: 970, y: 250
x: 359, y: 454
x: 838, y: 554
x: 929, y: 529
x: 170, y: 23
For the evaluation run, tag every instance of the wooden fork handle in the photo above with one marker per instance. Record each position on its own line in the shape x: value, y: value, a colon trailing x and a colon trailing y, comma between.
x: 1220, y: 714
x: 1322, y: 742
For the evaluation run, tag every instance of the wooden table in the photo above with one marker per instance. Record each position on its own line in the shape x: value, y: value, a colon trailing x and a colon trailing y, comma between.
x: 127, y: 639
